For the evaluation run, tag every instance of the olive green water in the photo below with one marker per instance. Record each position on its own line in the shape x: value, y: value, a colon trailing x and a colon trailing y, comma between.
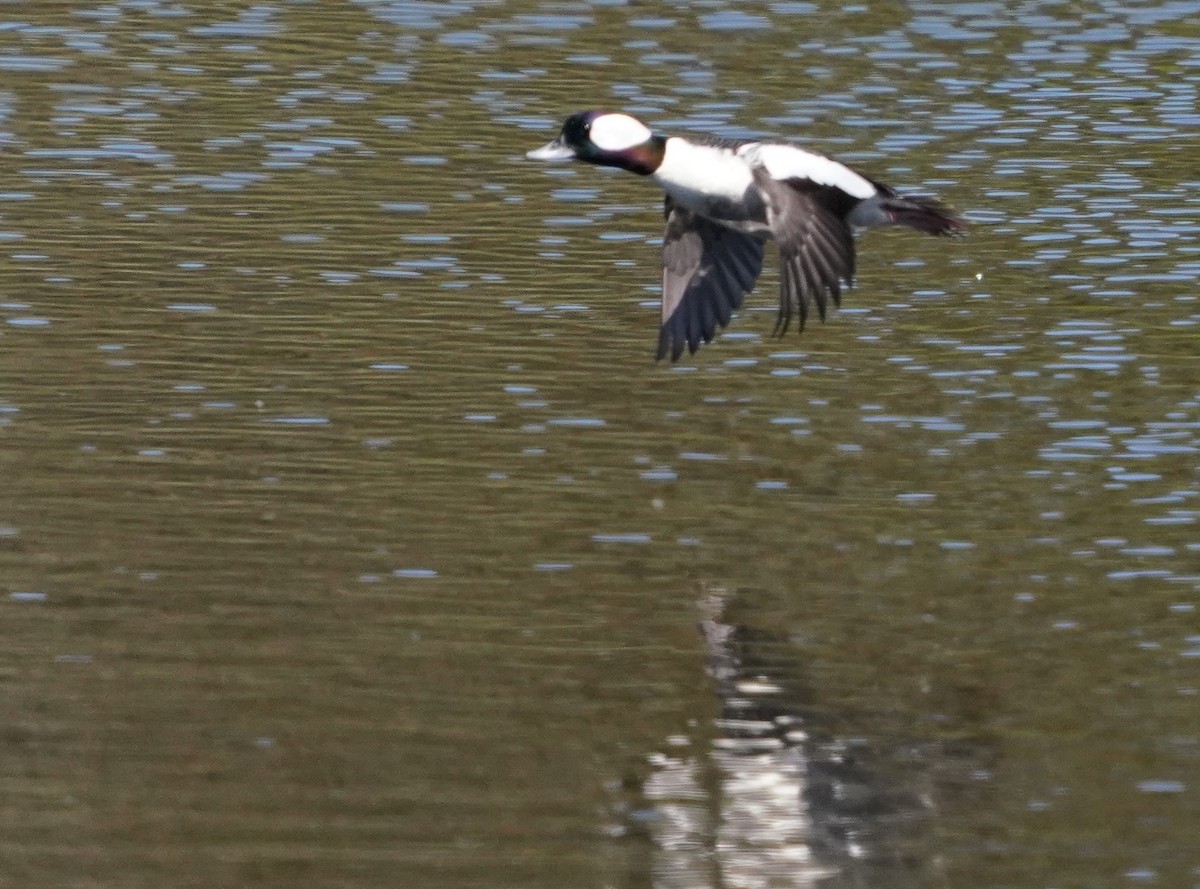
x: 349, y: 535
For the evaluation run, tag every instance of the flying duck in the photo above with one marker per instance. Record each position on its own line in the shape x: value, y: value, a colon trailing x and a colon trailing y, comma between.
x: 725, y: 199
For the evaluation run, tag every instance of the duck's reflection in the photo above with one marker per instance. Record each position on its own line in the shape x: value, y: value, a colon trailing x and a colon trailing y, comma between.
x: 768, y: 805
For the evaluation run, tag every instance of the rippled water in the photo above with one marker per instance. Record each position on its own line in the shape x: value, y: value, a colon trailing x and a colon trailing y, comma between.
x: 349, y: 534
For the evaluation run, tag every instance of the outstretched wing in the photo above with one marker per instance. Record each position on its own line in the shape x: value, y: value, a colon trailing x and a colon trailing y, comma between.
x: 707, y: 271
x: 816, y: 258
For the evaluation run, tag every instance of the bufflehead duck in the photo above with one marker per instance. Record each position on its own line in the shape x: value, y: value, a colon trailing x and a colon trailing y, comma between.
x: 725, y: 199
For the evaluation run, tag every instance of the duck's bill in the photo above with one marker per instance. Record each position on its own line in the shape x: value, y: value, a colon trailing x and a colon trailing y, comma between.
x: 551, y: 151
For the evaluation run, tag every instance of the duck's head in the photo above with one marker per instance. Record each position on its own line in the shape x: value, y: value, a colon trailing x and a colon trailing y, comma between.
x: 606, y: 138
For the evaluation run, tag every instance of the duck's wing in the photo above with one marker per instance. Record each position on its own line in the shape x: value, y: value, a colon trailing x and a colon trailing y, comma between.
x: 816, y: 250
x: 707, y: 271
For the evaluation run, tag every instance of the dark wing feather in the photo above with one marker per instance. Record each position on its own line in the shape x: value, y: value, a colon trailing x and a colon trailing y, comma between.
x: 815, y: 259
x: 707, y: 271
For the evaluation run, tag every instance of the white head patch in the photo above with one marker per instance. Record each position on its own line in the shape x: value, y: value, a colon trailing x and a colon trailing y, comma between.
x: 616, y: 132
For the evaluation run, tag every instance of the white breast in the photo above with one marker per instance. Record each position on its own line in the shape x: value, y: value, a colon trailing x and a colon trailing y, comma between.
x: 788, y: 162
x: 696, y: 176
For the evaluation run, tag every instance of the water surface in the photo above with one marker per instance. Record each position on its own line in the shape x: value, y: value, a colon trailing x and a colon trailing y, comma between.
x: 349, y: 534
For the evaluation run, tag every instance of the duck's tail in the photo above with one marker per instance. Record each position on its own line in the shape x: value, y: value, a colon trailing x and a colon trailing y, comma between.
x: 927, y: 215
x: 924, y: 214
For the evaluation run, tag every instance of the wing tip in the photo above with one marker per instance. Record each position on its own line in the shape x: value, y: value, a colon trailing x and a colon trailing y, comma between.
x: 671, y: 343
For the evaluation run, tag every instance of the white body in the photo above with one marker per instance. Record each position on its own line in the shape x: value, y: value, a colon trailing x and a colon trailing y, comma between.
x: 719, y: 183
x: 699, y: 176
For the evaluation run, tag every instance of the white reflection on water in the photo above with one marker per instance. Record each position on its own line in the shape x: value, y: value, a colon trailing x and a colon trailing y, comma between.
x: 763, y: 807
